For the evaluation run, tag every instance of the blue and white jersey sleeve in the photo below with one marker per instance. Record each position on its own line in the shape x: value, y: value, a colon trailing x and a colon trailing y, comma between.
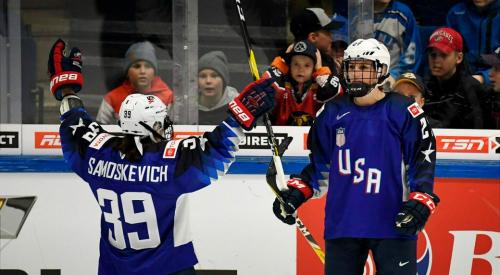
x: 206, y: 158
x: 419, y: 148
x: 77, y: 131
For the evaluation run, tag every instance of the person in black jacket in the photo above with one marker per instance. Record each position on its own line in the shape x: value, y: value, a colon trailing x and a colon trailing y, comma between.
x: 454, y: 95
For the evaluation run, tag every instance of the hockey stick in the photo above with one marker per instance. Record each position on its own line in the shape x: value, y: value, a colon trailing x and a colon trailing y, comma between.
x: 267, y: 122
x: 276, y: 164
x: 271, y: 180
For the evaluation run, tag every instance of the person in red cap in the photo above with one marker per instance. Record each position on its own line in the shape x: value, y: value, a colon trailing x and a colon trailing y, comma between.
x: 454, y: 95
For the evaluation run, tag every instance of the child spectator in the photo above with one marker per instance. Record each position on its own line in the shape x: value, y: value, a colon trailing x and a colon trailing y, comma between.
x: 396, y: 28
x: 140, y: 67
x: 479, y: 23
x: 411, y: 85
x: 213, y: 91
x: 302, y: 85
x: 453, y: 93
x: 492, y: 102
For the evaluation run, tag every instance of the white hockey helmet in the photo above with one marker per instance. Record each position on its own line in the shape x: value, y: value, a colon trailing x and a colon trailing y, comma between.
x: 367, y: 49
x: 145, y: 116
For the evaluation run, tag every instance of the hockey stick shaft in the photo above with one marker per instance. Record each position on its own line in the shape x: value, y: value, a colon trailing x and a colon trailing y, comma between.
x: 267, y: 122
x: 274, y: 147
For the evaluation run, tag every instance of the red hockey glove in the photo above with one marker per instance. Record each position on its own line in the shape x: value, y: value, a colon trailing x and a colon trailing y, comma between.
x: 414, y: 213
x: 255, y: 100
x: 299, y: 192
x: 65, y: 71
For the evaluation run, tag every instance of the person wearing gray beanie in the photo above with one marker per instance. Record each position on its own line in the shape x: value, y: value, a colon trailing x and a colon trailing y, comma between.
x: 140, y: 51
x: 214, y: 90
x: 140, y: 68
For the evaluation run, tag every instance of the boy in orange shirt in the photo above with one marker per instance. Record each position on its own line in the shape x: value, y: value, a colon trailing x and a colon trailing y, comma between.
x: 302, y: 85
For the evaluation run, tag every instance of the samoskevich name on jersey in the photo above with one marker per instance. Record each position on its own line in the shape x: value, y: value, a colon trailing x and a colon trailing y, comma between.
x: 127, y: 172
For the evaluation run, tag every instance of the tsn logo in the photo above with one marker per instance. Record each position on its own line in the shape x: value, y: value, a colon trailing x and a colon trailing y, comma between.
x: 47, y: 140
x: 462, y: 144
x: 62, y: 78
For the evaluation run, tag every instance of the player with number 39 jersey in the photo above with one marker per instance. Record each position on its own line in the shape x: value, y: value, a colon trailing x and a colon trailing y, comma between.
x: 140, y: 178
x: 374, y: 154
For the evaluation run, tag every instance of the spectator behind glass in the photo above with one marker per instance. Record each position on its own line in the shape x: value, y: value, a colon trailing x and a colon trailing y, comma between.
x: 302, y: 85
x: 339, y: 43
x: 313, y: 25
x: 396, y: 28
x: 411, y: 85
x: 214, y: 93
x: 492, y: 102
x: 140, y: 67
x: 453, y: 92
x: 478, y: 21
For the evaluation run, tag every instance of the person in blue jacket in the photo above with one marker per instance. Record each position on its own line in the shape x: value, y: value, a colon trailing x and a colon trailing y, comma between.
x: 139, y: 179
x: 396, y: 27
x: 478, y: 21
x: 375, y: 154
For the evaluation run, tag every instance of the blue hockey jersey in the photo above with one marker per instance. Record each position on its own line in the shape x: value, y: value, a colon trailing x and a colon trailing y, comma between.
x: 143, y: 223
x: 368, y: 159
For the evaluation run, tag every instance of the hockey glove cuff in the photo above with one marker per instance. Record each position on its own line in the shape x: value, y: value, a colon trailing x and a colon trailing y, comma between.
x: 298, y: 193
x: 415, y: 212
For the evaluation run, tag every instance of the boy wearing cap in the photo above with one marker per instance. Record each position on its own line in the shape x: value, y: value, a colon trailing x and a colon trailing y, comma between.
x: 214, y: 92
x: 411, y: 85
x: 492, y: 102
x: 453, y: 98
x: 302, y: 85
x: 140, y: 68
x: 313, y: 25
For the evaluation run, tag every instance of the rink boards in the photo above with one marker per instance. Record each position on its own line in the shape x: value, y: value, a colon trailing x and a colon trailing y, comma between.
x: 232, y: 222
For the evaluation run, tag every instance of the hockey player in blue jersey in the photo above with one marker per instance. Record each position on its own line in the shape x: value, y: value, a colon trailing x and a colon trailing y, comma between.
x: 139, y: 179
x: 374, y: 153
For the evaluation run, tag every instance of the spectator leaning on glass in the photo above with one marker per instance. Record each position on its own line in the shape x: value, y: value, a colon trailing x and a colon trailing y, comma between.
x: 214, y: 92
x: 453, y: 99
x: 479, y: 23
x: 302, y: 85
x: 396, y: 27
x: 492, y: 102
x: 140, y: 68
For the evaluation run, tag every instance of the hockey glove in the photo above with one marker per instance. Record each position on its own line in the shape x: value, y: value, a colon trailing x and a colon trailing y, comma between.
x: 255, y: 100
x: 65, y: 71
x: 414, y: 213
x: 299, y: 192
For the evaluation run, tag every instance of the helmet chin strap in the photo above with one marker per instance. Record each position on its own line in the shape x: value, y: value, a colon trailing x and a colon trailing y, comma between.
x: 155, y: 136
